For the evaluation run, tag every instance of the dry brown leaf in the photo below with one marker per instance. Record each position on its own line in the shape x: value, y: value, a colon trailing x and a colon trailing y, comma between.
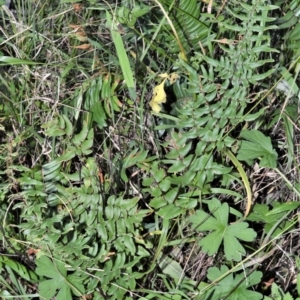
x: 268, y: 283
x: 82, y: 47
x: 32, y: 251
x: 209, y: 7
x: 81, y: 36
x: 109, y: 255
x: 226, y: 41
x: 77, y: 7
x: 74, y: 26
x: 79, y: 32
x: 101, y: 175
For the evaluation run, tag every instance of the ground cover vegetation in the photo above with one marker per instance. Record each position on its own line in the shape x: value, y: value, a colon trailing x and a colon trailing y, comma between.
x: 149, y: 149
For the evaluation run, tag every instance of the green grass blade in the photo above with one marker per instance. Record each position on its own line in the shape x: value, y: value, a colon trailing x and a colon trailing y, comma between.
x: 7, y: 60
x: 122, y: 56
x: 244, y: 179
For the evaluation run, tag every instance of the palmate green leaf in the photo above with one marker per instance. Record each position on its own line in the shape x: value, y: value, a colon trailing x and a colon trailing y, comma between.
x: 59, y: 280
x: 278, y: 293
x: 234, y: 288
x: 256, y: 136
x: 229, y: 234
x: 58, y: 273
x: 250, y: 150
x: 261, y: 213
x: 268, y: 161
x: 212, y: 242
x: 237, y: 231
x: 288, y: 206
x: 257, y: 146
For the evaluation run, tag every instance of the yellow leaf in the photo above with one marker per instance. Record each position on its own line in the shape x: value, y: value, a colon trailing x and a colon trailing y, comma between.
x: 159, y: 96
x: 173, y: 77
x: 155, y: 107
x: 163, y: 75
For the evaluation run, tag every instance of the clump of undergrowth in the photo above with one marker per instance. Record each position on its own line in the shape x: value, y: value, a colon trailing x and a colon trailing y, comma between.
x: 104, y: 196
